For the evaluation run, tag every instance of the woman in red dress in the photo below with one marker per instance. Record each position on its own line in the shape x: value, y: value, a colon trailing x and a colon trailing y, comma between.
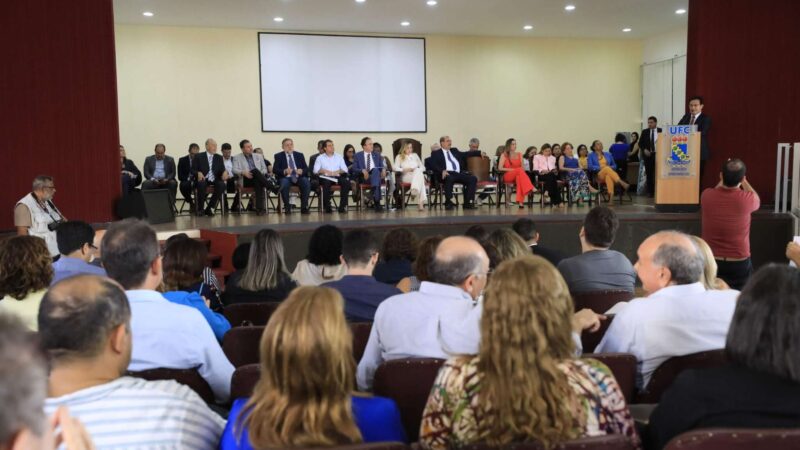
x: 511, y: 166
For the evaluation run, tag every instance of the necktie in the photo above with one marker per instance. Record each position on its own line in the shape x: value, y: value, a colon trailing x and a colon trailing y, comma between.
x: 452, y: 161
x: 652, y: 139
x: 290, y: 158
x: 210, y: 167
x: 368, y: 157
x: 250, y: 163
x: 692, y: 121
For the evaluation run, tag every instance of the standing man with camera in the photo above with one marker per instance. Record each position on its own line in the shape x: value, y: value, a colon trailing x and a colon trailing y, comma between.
x: 36, y: 215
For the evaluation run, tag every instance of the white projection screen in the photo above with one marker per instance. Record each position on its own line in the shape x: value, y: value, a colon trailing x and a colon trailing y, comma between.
x: 326, y: 83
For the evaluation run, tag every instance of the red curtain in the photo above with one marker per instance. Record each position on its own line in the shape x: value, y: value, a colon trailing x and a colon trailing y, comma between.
x: 58, y: 97
x: 744, y: 59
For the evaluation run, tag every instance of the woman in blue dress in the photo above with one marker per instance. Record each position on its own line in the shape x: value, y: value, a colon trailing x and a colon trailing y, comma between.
x: 568, y: 164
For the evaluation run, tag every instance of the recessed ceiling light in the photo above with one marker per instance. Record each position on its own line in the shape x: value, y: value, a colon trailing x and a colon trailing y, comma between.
x: 527, y: 27
x: 278, y: 19
x: 360, y: 1
x: 626, y: 30
x: 680, y: 11
x: 405, y: 23
x: 147, y: 14
x: 432, y: 2
x: 570, y: 7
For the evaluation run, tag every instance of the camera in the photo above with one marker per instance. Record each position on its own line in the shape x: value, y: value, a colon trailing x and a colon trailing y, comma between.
x: 53, y: 226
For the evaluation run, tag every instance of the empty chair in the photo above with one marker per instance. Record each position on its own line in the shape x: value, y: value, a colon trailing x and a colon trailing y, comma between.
x: 244, y: 379
x: 244, y: 314
x: 408, y: 382
x: 240, y: 345
x: 623, y: 366
x: 189, y: 377
x: 360, y: 332
x: 737, y: 439
x: 666, y: 373
x: 608, y: 442
x: 599, y: 301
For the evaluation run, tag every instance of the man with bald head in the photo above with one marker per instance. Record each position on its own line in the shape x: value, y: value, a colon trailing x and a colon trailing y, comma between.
x: 679, y: 316
x: 209, y: 169
x: 84, y: 325
x: 440, y: 320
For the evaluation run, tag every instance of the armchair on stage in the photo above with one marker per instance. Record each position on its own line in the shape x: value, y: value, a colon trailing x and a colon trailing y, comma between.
x: 678, y: 169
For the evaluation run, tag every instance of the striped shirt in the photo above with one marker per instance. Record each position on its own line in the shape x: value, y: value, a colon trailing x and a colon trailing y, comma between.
x: 131, y: 413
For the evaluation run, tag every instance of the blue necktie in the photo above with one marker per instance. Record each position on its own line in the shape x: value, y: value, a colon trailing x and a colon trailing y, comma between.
x: 290, y: 157
x: 450, y: 157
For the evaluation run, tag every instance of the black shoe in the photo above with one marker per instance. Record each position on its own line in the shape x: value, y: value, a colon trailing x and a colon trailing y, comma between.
x: 305, y: 211
x: 199, y: 213
x: 470, y: 206
x: 209, y: 212
x: 236, y: 209
x: 328, y: 210
x: 449, y: 206
x: 261, y: 212
x: 287, y: 210
x: 378, y: 207
x: 342, y: 209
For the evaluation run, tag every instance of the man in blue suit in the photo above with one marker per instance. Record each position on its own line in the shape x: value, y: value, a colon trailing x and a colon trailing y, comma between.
x: 291, y: 169
x: 369, y: 167
x: 450, y: 164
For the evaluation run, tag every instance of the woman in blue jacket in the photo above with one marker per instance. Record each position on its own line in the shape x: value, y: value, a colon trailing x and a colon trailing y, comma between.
x: 602, y: 163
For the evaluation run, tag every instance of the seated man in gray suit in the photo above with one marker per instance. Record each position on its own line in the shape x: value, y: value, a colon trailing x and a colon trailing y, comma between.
x: 254, y: 172
x: 159, y: 171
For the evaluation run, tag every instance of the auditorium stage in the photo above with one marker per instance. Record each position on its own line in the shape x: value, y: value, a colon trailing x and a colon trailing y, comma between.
x: 558, y: 227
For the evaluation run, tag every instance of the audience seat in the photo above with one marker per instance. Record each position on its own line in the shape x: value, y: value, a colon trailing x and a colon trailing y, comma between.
x: 368, y: 446
x: 188, y: 377
x: 737, y: 439
x: 623, y: 366
x: 241, y: 345
x: 608, y: 442
x: 244, y: 314
x: 600, y: 301
x: 408, y: 382
x: 244, y: 380
x: 666, y: 373
x: 360, y: 332
x: 589, y: 341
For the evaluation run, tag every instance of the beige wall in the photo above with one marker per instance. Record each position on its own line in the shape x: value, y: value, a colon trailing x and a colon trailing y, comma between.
x: 179, y: 85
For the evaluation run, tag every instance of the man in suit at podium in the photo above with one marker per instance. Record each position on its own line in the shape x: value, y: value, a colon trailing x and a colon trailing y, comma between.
x: 695, y: 116
x: 451, y: 165
x: 186, y: 175
x: 647, y: 144
x: 209, y: 168
x: 368, y: 167
x: 291, y: 169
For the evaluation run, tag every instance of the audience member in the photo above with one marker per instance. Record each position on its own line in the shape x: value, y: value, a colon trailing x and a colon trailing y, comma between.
x: 397, y: 254
x: 159, y: 171
x: 322, y: 263
x: 526, y: 229
x: 602, y: 163
x: 477, y: 232
x: 209, y: 171
x: 451, y: 163
x: 793, y: 253
x: 439, y: 320
x: 25, y: 274
x: 510, y: 165
x: 508, y: 244
x: 254, y: 172
x: 726, y: 213
x: 524, y: 383
x: 361, y: 291
x: 36, y: 215
x: 710, y: 280
x: 85, y: 327
x: 369, y: 169
x: 131, y: 176
x: 678, y: 317
x: 598, y: 268
x: 184, y: 261
x: 187, y: 174
x: 240, y: 256
x: 331, y: 169
x: 265, y: 278
x: 547, y: 168
x: 419, y: 268
x: 412, y: 172
x: 760, y: 388
x: 308, y: 335
x: 619, y: 151
x: 75, y: 242
x: 579, y: 187
x: 291, y: 169
x: 211, y: 287
x: 164, y: 334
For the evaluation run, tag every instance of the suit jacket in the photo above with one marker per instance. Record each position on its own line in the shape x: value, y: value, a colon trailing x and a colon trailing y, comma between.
x: 185, y: 169
x: 240, y: 164
x: 703, y: 123
x: 128, y: 165
x: 361, y: 162
x: 554, y: 256
x: 150, y: 167
x: 593, y: 162
x: 282, y: 164
x: 644, y: 140
x: 438, y: 163
x: 200, y: 165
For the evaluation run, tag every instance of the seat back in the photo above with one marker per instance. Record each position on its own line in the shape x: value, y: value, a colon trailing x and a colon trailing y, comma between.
x: 367, y: 446
x: 408, y: 382
x: 589, y: 341
x: 241, y: 345
x: 600, y: 301
x: 360, y: 332
x: 416, y: 146
x: 480, y: 167
x: 244, y: 379
x: 608, y: 442
x: 244, y: 314
x: 737, y: 439
x: 188, y: 377
x: 623, y: 366
x: 665, y: 374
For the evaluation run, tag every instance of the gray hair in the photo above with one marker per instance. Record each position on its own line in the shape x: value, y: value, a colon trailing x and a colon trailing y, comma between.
x: 435, y: 146
x: 443, y: 138
x: 23, y: 380
x: 685, y: 266
x: 265, y: 263
x: 40, y: 181
x: 454, y: 271
x: 475, y: 141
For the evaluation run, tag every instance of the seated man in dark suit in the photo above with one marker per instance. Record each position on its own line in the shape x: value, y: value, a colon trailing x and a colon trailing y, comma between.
x: 186, y: 175
x: 210, y: 170
x: 159, y: 171
x: 526, y: 229
x: 368, y: 168
x: 451, y: 165
x: 291, y: 169
x: 131, y: 177
x: 361, y: 291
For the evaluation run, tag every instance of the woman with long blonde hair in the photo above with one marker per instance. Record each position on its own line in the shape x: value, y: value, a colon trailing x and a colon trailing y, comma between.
x: 304, y: 396
x: 524, y: 384
x: 412, y: 172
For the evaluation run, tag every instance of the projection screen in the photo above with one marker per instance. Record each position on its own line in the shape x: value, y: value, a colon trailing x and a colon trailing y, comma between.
x: 326, y: 83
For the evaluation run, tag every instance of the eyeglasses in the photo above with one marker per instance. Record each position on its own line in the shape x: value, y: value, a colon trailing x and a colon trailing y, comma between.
x: 49, y: 187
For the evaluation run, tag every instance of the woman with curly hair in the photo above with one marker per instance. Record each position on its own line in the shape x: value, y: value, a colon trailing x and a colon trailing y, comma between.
x: 25, y: 273
x: 399, y: 250
x: 524, y: 384
x: 304, y: 397
x: 322, y: 264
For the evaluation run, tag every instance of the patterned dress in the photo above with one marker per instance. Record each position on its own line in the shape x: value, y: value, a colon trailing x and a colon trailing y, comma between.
x: 578, y: 181
x: 454, y: 412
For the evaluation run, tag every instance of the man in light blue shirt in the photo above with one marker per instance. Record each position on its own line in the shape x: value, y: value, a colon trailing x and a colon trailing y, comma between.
x: 331, y: 169
x: 75, y: 244
x: 164, y: 334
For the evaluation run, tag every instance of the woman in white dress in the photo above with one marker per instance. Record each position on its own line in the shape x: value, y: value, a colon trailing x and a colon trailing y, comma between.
x: 410, y: 166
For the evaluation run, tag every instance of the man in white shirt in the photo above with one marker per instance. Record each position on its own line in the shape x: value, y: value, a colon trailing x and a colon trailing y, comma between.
x: 85, y: 327
x: 331, y: 169
x: 440, y: 320
x: 165, y: 335
x: 679, y: 316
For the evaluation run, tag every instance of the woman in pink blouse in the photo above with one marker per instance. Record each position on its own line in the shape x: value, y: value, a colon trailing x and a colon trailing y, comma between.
x: 545, y: 164
x: 511, y: 167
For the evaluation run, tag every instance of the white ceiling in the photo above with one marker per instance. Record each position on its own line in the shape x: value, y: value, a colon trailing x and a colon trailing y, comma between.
x: 590, y: 19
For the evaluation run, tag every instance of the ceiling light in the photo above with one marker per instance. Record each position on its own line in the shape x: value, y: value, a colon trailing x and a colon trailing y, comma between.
x: 278, y: 19
x: 432, y: 2
x: 147, y: 14
x: 626, y: 30
x: 405, y: 23
x: 680, y: 11
x: 527, y: 27
x: 570, y: 7
x: 360, y: 1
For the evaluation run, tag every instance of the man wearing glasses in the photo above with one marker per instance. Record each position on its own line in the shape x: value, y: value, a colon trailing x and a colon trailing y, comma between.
x: 77, y: 249
x: 36, y: 215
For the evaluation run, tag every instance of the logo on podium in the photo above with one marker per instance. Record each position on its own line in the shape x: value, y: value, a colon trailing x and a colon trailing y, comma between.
x: 678, y: 160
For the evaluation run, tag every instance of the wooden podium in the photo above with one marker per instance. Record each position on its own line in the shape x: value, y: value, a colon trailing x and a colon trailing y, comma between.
x: 678, y: 169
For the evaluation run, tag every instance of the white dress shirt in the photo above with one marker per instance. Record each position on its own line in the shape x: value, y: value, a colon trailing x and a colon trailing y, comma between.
x: 168, y: 335
x: 673, y: 321
x: 228, y: 165
x: 450, y: 161
x: 438, y: 321
x: 331, y: 163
